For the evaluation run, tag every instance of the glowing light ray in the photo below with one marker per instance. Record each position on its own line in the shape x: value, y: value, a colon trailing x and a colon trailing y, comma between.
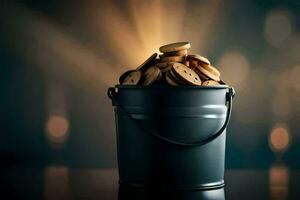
x: 172, y: 16
x: 198, y: 22
x: 147, y: 18
x: 121, y: 37
x: 57, y: 52
x: 74, y: 59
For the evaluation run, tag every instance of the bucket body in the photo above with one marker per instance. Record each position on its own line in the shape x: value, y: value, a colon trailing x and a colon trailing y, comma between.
x: 166, y: 136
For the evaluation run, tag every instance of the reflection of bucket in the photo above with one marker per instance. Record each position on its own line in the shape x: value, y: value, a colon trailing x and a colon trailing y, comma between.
x: 143, y: 193
x: 172, y: 136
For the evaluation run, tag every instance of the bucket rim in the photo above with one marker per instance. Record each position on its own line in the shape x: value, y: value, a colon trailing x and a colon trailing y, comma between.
x: 172, y: 87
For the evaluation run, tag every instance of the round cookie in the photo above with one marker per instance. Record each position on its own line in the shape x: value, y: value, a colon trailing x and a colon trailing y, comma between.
x: 201, y: 75
x: 132, y: 78
x: 208, y: 73
x: 172, y: 58
x: 210, y: 82
x: 177, y: 79
x: 212, y: 70
x: 166, y: 69
x: 147, y: 63
x: 222, y: 82
x: 162, y: 65
x: 178, y: 46
x: 176, y: 53
x: 169, y: 79
x: 186, y: 63
x: 199, y: 59
x: 194, y: 63
x: 151, y: 75
x: 186, y: 74
x: 124, y: 75
x: 160, y: 76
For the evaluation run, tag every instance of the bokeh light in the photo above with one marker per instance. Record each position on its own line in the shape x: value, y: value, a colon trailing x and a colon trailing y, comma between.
x: 57, y: 129
x: 279, y: 182
x: 234, y: 67
x: 279, y: 138
x: 278, y: 27
x: 117, y: 30
x: 147, y: 18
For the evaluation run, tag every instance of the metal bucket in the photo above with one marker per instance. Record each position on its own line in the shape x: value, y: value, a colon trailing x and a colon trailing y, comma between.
x: 172, y: 136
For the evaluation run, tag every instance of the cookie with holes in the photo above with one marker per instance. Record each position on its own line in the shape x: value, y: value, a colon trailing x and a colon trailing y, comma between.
x: 169, y: 79
x: 177, y: 79
x: 222, y: 82
x: 186, y: 74
x: 131, y: 78
x: 186, y: 63
x: 178, y: 46
x: 152, y: 75
x: 148, y: 63
x: 192, y: 64
x: 202, y: 76
x: 168, y: 68
x: 209, y: 71
x: 197, y: 59
x: 124, y: 75
x: 172, y: 58
x: 176, y: 53
x: 210, y: 83
x: 162, y: 65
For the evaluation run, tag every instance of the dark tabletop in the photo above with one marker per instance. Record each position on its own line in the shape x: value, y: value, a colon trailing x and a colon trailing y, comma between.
x: 60, y: 182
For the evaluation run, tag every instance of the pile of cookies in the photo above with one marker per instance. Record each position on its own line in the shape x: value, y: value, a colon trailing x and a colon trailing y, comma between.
x: 173, y: 67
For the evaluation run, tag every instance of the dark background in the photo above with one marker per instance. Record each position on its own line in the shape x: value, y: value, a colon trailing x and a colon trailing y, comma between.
x: 57, y: 58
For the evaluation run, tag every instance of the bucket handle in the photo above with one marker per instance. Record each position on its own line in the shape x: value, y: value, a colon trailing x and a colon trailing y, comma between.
x: 229, y: 96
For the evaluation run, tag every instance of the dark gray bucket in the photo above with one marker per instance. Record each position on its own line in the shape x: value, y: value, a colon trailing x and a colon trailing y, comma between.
x: 172, y: 136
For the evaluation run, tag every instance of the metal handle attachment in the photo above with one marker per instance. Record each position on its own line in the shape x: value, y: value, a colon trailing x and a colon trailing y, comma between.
x: 229, y: 96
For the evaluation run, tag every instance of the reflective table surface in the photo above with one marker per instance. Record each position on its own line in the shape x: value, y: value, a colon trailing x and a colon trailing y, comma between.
x: 61, y: 182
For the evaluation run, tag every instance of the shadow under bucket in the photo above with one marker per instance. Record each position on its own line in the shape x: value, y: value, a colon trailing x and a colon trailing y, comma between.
x: 172, y: 136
